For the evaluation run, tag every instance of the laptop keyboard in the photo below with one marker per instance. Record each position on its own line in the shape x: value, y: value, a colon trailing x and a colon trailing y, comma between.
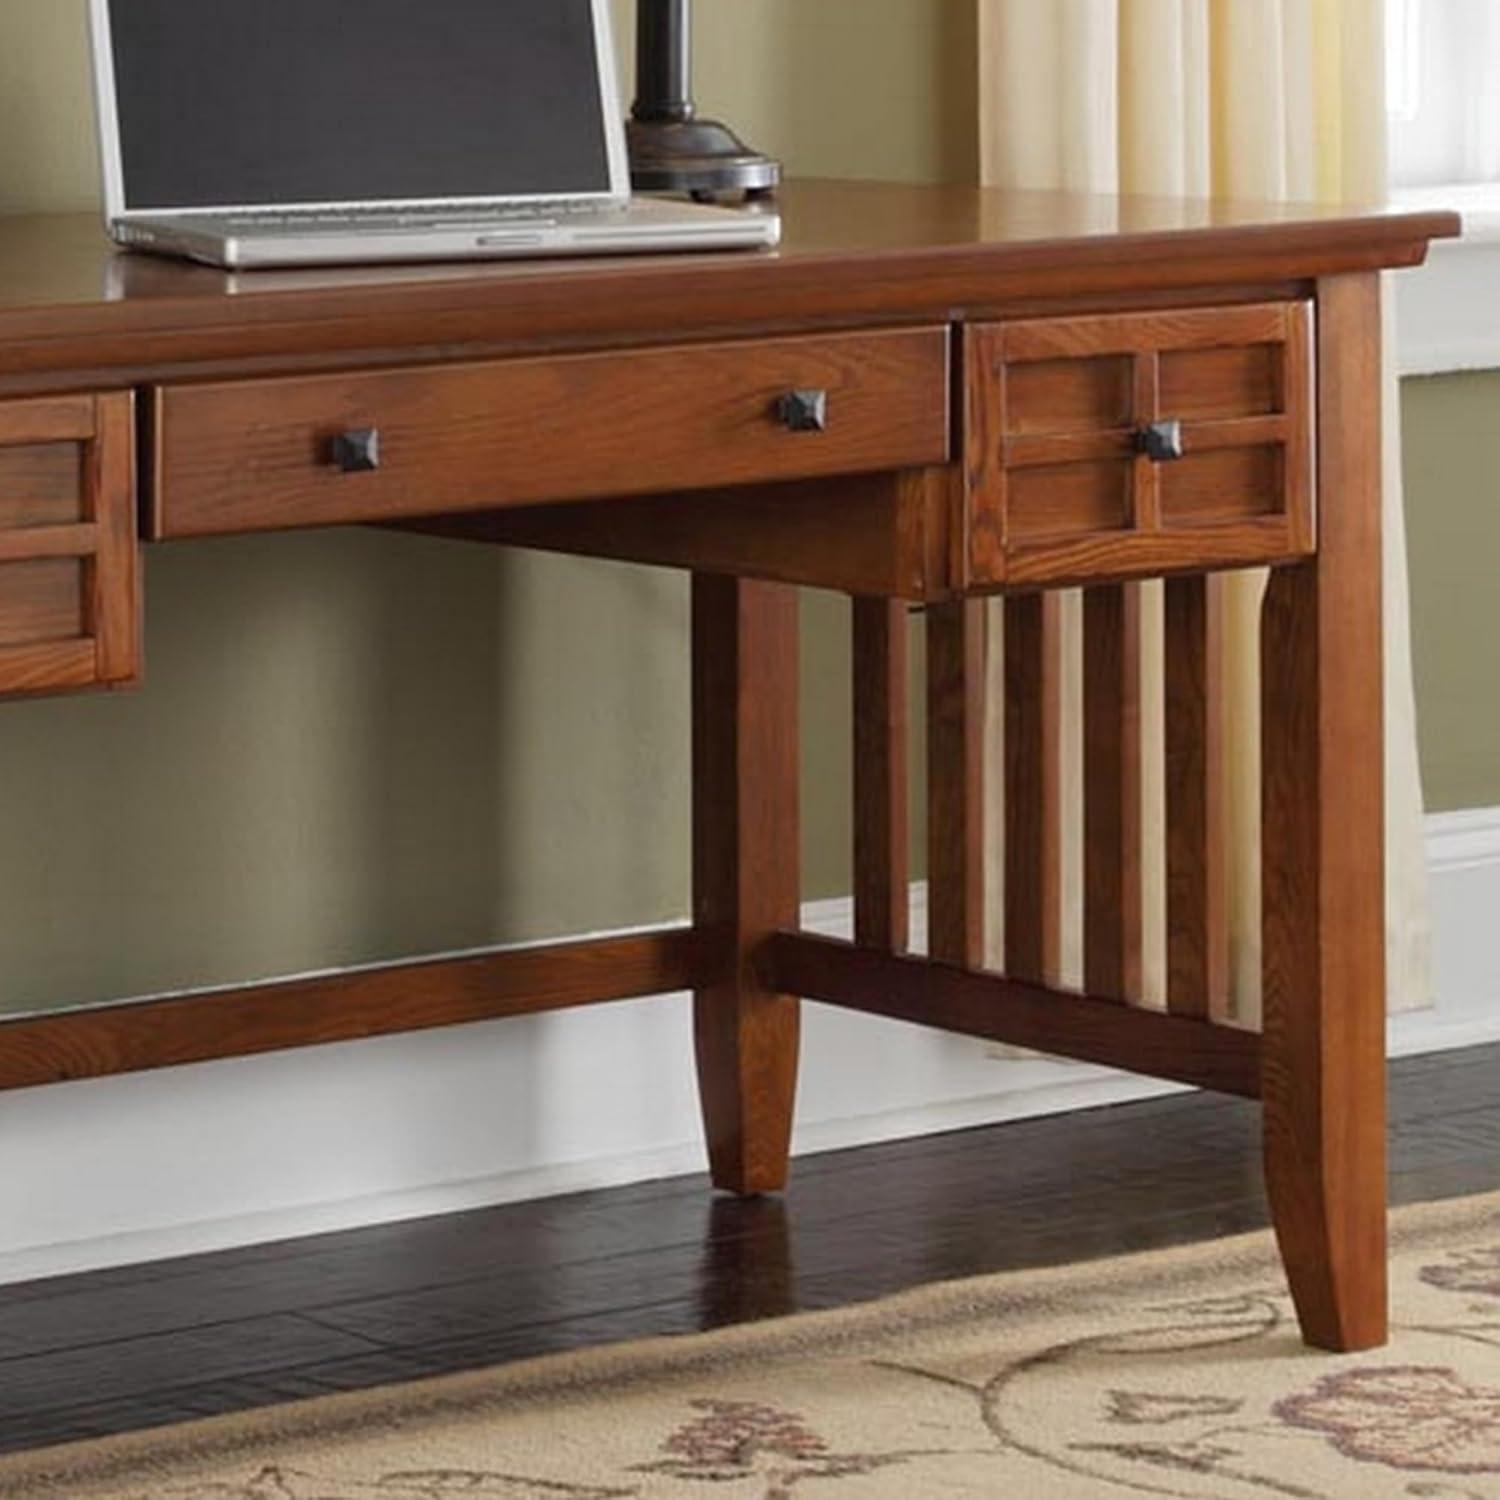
x: 410, y: 214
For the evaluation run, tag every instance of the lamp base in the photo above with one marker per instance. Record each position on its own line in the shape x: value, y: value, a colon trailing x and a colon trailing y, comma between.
x: 701, y: 158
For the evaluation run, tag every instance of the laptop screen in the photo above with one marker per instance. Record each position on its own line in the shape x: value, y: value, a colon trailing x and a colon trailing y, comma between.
x: 330, y: 101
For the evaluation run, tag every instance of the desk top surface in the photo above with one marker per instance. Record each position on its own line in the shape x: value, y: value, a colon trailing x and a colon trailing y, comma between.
x: 852, y: 252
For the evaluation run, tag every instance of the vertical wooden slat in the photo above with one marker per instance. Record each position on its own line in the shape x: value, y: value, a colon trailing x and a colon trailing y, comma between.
x: 114, y: 573
x: 1032, y: 869
x: 1112, y: 792
x: 1297, y: 403
x: 1323, y: 847
x: 1197, y: 865
x: 881, y: 864
x: 955, y: 779
x: 745, y: 869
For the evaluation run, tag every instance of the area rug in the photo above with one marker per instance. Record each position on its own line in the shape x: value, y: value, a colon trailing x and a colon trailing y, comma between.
x: 1177, y: 1373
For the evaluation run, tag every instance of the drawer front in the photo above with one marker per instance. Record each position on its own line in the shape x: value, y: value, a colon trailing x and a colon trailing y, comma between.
x: 254, y: 455
x: 69, y: 557
x: 1140, y: 443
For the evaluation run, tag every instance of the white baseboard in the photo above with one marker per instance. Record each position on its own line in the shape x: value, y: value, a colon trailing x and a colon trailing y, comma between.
x: 123, y: 1170
x: 1463, y: 857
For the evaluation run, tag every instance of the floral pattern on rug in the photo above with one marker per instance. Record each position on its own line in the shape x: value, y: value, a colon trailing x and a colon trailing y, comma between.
x: 737, y: 1440
x: 1107, y: 1388
x: 1426, y: 1419
x: 276, y: 1483
x: 1476, y: 1271
x: 1404, y: 1417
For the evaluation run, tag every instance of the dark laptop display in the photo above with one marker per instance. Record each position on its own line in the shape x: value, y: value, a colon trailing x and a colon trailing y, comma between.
x: 247, y: 102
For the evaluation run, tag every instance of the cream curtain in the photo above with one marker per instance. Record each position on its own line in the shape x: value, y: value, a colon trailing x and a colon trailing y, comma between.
x: 1247, y: 99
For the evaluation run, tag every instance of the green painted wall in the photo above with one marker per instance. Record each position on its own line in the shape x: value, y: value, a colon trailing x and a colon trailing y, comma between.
x: 1451, y: 429
x: 354, y: 745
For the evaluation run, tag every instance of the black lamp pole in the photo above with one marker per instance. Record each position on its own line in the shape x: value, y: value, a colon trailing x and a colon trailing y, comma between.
x: 671, y: 149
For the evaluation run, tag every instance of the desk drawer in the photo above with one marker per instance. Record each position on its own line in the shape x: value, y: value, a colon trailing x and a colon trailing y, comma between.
x: 254, y: 455
x: 1104, y: 446
x: 69, y: 559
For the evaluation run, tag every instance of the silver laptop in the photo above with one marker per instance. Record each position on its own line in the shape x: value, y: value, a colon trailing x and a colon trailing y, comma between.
x: 252, y: 133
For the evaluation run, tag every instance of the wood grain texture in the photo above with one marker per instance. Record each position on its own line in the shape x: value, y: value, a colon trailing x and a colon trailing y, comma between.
x: 40, y: 485
x: 955, y: 782
x: 33, y: 543
x: 58, y: 419
x: 1068, y: 500
x: 853, y: 253
x: 1145, y: 333
x: 69, y: 558
x: 1323, y: 860
x: 1244, y: 380
x: 40, y: 600
x: 1239, y: 481
x: 876, y: 534
x: 1003, y: 1009
x: 114, y: 573
x: 1146, y: 480
x: 1299, y: 403
x: 745, y: 870
x: 1112, y: 915
x: 1213, y: 546
x: 1064, y: 498
x: 254, y: 455
x: 882, y: 865
x: 987, y: 403
x: 1196, y: 855
x: 355, y: 1003
x: 1062, y: 397
x: 47, y: 667
x: 1033, y: 893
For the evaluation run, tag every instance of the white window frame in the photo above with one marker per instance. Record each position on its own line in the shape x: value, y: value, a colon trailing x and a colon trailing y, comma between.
x: 1448, y: 311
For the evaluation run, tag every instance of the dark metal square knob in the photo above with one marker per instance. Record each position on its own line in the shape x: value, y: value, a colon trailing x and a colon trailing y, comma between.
x: 803, y: 411
x: 1160, y: 441
x: 357, y: 452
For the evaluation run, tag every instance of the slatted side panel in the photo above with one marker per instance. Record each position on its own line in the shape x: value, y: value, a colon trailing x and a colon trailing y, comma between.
x: 1116, y: 847
x: 1188, y: 851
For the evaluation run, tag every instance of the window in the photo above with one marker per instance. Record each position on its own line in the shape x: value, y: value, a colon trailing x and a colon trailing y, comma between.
x: 1443, y: 91
x: 1443, y: 100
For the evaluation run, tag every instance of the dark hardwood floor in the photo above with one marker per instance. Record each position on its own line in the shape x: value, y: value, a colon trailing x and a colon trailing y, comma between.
x: 84, y: 1356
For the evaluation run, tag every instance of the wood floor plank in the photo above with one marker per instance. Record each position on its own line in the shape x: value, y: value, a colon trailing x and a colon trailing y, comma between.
x: 134, y: 1348
x: 110, y: 1370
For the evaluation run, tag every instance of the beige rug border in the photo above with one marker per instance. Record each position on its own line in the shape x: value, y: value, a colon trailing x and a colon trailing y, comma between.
x: 135, y: 1457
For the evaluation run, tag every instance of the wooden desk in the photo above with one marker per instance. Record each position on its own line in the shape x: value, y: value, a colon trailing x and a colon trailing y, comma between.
x: 928, y: 396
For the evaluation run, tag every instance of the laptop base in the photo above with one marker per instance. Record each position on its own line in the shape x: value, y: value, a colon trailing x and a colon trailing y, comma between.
x: 269, y: 241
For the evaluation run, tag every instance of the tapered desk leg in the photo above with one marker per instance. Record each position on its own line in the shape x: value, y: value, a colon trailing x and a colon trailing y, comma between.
x: 745, y: 868
x: 1323, y: 1067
